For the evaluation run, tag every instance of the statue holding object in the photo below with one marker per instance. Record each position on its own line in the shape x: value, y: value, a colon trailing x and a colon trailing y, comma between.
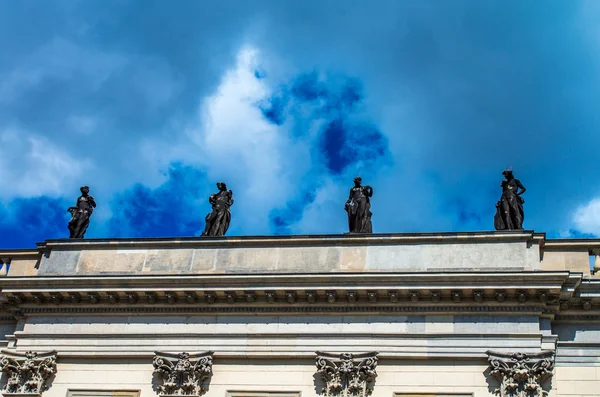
x: 217, y: 221
x: 358, y: 207
x: 509, y: 209
x: 81, y: 213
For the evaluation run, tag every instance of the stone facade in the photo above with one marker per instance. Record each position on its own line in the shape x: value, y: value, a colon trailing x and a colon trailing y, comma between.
x: 450, y: 314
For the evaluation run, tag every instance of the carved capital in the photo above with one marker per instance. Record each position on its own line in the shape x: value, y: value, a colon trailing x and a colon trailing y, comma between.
x: 27, y: 373
x: 182, y: 374
x: 347, y: 374
x: 521, y: 374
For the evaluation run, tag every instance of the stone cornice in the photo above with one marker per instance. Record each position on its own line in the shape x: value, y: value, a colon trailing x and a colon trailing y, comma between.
x: 444, y: 280
x: 538, y: 292
x: 531, y: 292
x: 296, y: 240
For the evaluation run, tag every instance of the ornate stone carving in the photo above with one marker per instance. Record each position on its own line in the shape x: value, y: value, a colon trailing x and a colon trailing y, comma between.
x: 413, y: 296
x: 456, y: 296
x: 230, y: 296
x: 132, y: 297
x: 478, y: 296
x: 250, y: 296
x: 94, y: 297
x: 372, y: 296
x: 331, y: 296
x: 500, y: 296
x: 352, y: 296
x: 270, y: 296
x: 393, y: 295
x: 171, y: 297
x: 190, y: 297
x: 151, y: 297
x: 211, y: 297
x: 347, y: 374
x: 27, y: 373
x: 520, y: 374
x: 75, y: 297
x: 290, y: 296
x: 182, y: 374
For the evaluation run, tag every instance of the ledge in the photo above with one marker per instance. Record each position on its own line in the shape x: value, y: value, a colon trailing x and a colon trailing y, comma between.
x: 295, y: 240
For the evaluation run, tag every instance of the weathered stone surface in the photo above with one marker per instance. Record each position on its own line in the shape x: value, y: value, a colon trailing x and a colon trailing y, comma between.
x: 203, y: 260
x: 169, y: 260
x: 60, y: 262
x: 111, y: 261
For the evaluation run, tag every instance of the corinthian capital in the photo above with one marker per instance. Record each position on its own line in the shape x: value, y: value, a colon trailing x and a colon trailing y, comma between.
x: 183, y: 374
x: 347, y: 374
x: 27, y: 372
x: 521, y: 374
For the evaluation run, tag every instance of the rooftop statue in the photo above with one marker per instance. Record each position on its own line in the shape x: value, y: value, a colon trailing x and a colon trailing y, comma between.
x: 509, y: 209
x: 217, y: 222
x: 358, y: 207
x: 80, y: 214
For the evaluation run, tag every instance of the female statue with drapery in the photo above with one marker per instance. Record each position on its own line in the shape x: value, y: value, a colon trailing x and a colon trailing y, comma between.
x: 358, y: 207
x: 217, y: 221
x: 81, y: 213
x: 509, y: 209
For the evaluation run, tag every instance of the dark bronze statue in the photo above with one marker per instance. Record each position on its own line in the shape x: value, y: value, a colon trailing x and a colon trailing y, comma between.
x: 358, y: 207
x: 509, y: 210
x: 80, y: 214
x: 217, y: 222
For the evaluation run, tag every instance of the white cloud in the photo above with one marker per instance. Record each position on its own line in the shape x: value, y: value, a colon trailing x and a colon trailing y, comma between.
x: 233, y: 142
x: 32, y: 165
x: 587, y: 217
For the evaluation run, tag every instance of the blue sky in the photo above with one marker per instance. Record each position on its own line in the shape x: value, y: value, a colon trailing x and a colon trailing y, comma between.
x: 151, y: 103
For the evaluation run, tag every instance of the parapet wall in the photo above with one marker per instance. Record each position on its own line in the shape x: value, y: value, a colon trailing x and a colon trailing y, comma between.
x: 292, y: 254
x: 418, y: 252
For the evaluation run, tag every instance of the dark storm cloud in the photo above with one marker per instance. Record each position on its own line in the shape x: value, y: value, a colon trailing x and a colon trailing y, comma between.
x: 24, y: 222
x: 172, y: 209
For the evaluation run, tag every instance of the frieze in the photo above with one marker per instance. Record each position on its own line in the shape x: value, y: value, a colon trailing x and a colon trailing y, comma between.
x: 182, y: 374
x: 347, y: 374
x: 521, y: 374
x: 28, y: 373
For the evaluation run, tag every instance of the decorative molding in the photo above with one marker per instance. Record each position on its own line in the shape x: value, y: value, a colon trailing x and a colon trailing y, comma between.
x: 347, y: 374
x: 103, y: 393
x: 521, y: 374
x: 182, y: 374
x: 27, y: 373
x: 308, y: 308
